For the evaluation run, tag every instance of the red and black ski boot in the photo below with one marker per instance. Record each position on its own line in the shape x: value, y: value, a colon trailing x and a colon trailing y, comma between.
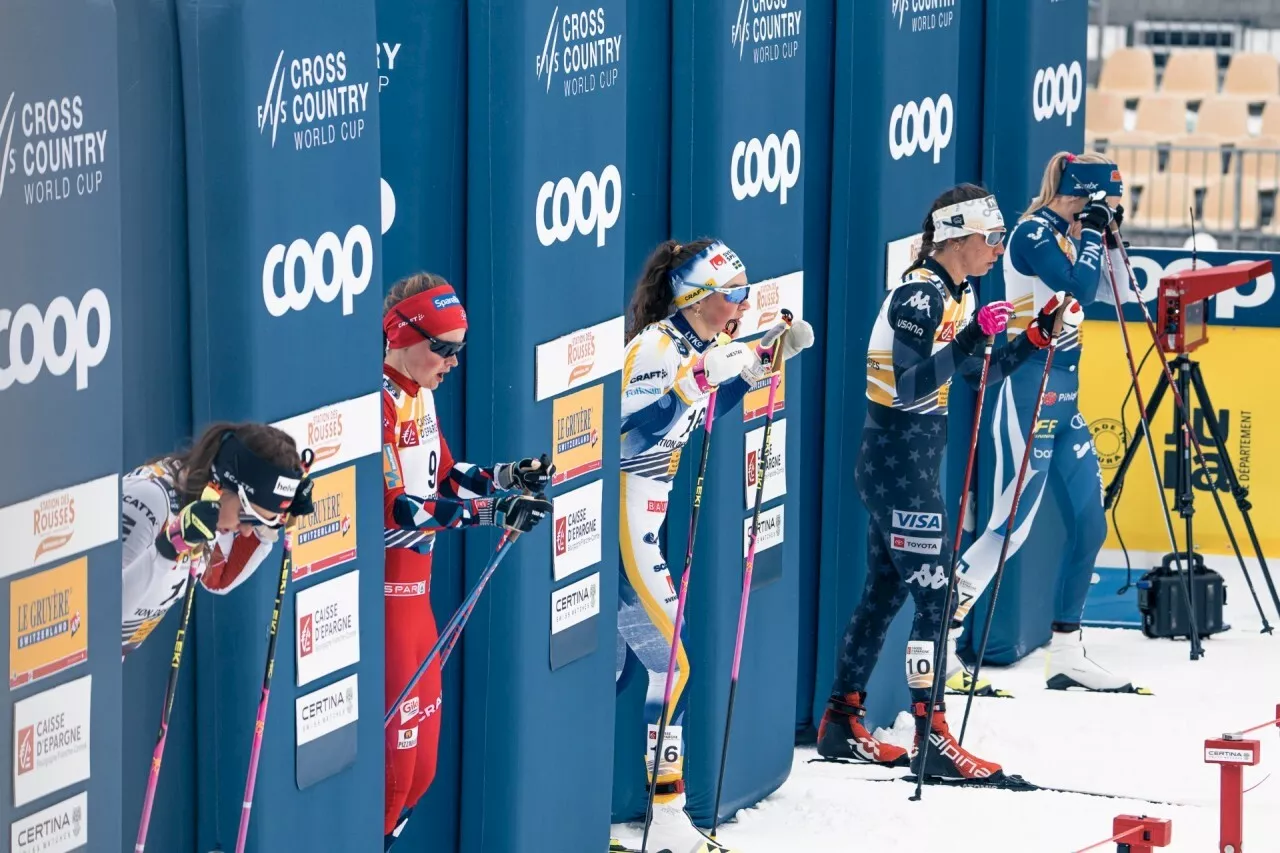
x: 841, y: 735
x: 948, y: 762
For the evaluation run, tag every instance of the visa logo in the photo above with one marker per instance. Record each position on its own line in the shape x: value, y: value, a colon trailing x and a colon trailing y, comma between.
x: 917, y: 521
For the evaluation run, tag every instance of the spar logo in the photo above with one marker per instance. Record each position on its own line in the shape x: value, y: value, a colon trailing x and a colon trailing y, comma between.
x: 1057, y: 92
x: 313, y: 96
x: 387, y: 53
x: 584, y: 205
x: 34, y: 336
x: 58, y: 154
x: 925, y: 14
x: 579, y: 53
x: 924, y: 126
x: 772, y: 165
x: 770, y: 27
x: 324, y: 434
x: 302, y: 271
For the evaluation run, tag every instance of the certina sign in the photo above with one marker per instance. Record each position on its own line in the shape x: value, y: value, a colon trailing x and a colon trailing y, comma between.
x: 772, y: 165
x: 584, y: 205
x: 923, y: 15
x: 42, y: 331
x: 292, y: 275
x: 57, y: 155
x: 924, y: 126
x: 770, y: 27
x: 314, y: 97
x: 579, y: 53
x: 62, y: 827
x: 1057, y: 92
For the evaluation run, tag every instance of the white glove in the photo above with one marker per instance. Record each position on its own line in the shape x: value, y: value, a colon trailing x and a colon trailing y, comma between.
x: 1072, y: 316
x: 799, y: 338
x: 722, y: 363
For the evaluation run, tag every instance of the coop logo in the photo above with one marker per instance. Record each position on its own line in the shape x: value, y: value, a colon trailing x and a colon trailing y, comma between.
x: 588, y: 204
x: 302, y: 268
x: 312, y: 95
x: 58, y: 153
x: 63, y: 322
x: 925, y: 14
x: 924, y: 126
x: 772, y: 165
x: 580, y: 53
x: 387, y: 53
x: 1057, y: 92
x: 772, y: 29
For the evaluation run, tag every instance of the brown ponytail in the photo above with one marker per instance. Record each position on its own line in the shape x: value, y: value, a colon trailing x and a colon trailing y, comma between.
x: 955, y: 195
x: 195, y: 464
x: 653, y: 295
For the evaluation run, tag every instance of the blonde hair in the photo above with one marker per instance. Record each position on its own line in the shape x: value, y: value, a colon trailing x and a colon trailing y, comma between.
x: 1053, y: 175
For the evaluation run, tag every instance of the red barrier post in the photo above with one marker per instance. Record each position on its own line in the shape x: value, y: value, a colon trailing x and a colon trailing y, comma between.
x: 1233, y: 755
x: 1142, y: 834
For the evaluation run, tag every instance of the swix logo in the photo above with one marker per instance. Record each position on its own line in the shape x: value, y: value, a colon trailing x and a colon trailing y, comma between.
x: 928, y: 521
x: 589, y: 60
x: 77, y: 351
x: 1057, y: 91
x: 338, y: 255
x: 584, y: 205
x: 772, y: 165
x: 963, y: 761
x: 320, y: 103
x: 920, y: 302
x: 925, y: 126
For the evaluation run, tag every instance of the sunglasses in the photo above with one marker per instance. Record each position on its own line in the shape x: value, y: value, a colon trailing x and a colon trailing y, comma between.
x: 444, y: 349
x: 735, y: 296
x: 993, y: 238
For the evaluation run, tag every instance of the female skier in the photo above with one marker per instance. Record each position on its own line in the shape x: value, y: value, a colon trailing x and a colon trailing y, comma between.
x: 925, y: 333
x: 427, y: 491
x: 166, y: 515
x: 1057, y: 245
x: 686, y: 296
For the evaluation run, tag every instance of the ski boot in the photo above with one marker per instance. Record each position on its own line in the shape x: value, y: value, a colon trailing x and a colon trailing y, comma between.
x: 1066, y: 666
x: 672, y: 830
x: 841, y: 734
x: 960, y: 677
x: 948, y: 762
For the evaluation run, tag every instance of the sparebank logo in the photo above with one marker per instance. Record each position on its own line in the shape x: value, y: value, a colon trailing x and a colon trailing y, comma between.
x: 772, y: 165
x: 58, y: 153
x: 588, y: 204
x: 292, y: 275
x: 61, y: 321
x: 1057, y: 92
x: 579, y: 53
x: 925, y: 126
x: 313, y: 96
x: 772, y: 29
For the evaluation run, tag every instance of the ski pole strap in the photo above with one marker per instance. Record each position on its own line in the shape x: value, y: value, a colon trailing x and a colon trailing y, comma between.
x: 840, y: 706
x: 918, y: 707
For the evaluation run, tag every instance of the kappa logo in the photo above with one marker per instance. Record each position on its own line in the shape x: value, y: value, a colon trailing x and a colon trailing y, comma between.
x: 920, y: 302
x: 929, y: 576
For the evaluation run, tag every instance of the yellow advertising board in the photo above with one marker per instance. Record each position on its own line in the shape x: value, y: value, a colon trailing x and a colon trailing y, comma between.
x: 327, y: 537
x: 577, y: 448
x: 48, y: 622
x: 756, y: 402
x: 1243, y: 407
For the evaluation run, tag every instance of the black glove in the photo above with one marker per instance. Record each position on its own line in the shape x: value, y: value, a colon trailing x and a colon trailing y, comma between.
x: 517, y: 512
x: 302, y: 504
x: 1097, y: 215
x: 532, y: 475
x: 196, y: 524
x: 1110, y: 237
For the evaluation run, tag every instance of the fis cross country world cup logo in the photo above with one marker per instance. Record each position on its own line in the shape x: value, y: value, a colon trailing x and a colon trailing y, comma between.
x: 387, y: 53
x: 315, y: 98
x: 579, y: 53
x: 773, y: 31
x: 924, y: 15
x: 58, y: 153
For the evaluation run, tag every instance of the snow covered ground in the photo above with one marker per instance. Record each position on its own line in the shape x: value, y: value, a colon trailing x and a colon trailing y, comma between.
x: 1140, y: 746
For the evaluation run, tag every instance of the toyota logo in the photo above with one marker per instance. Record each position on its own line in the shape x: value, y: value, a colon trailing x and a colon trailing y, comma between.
x: 925, y: 126
x: 1057, y: 92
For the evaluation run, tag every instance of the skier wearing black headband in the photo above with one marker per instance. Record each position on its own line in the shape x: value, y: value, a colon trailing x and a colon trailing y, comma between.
x: 222, y: 503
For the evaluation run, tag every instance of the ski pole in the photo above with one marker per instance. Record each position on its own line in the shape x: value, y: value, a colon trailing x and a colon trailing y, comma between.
x: 1008, y: 530
x: 940, y: 654
x: 761, y: 469
x: 458, y: 621
x: 679, y: 621
x: 260, y: 724
x: 171, y: 689
x: 1195, y: 442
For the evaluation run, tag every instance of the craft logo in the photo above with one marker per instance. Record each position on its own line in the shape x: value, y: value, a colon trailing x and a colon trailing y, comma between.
x: 770, y: 27
x: 60, y: 828
x: 387, y: 54
x: 924, y: 15
x: 48, y: 622
x: 1109, y: 441
x: 579, y: 53
x: 575, y: 603
x: 324, y: 434
x: 53, y: 523
x: 58, y: 153
x: 327, y: 537
x: 578, y: 449
x: 314, y: 96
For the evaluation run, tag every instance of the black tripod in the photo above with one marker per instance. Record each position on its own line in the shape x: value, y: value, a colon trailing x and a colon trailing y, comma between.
x: 1188, y: 375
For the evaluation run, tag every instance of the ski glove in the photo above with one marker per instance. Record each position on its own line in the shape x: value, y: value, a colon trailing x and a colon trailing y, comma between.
x: 302, y: 504
x: 1097, y: 216
x: 1047, y: 323
x: 1112, y: 237
x: 722, y: 363
x: 994, y: 317
x: 532, y: 475
x: 515, y: 512
x: 196, y: 524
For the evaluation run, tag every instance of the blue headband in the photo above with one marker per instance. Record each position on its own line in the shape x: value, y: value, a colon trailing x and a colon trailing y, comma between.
x: 1085, y: 179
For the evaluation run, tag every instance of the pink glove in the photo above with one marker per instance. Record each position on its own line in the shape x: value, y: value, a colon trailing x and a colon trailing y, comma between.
x: 994, y: 318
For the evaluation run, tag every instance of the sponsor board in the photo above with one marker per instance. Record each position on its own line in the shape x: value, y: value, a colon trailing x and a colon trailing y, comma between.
x: 575, y: 603
x: 48, y: 622
x: 327, y: 634
x: 59, y: 524
x: 770, y: 166
x: 327, y: 537
x: 335, y: 265
x: 766, y: 31
x: 577, y: 522
x: 326, y: 710
x: 755, y: 404
x: 60, y: 828
x: 42, y: 327
x: 51, y: 740
x: 775, y: 481
x: 311, y: 101
x: 768, y: 298
x: 1218, y: 755
x: 577, y: 446
x: 771, y: 531
x: 898, y: 255
x: 338, y: 433
x: 579, y: 357
x: 593, y: 204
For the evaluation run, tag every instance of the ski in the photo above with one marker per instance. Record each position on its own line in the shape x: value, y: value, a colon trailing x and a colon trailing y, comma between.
x: 616, y: 846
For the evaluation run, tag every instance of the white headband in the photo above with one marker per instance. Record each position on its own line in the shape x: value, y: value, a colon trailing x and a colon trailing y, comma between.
x: 705, y: 272
x: 975, y: 216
